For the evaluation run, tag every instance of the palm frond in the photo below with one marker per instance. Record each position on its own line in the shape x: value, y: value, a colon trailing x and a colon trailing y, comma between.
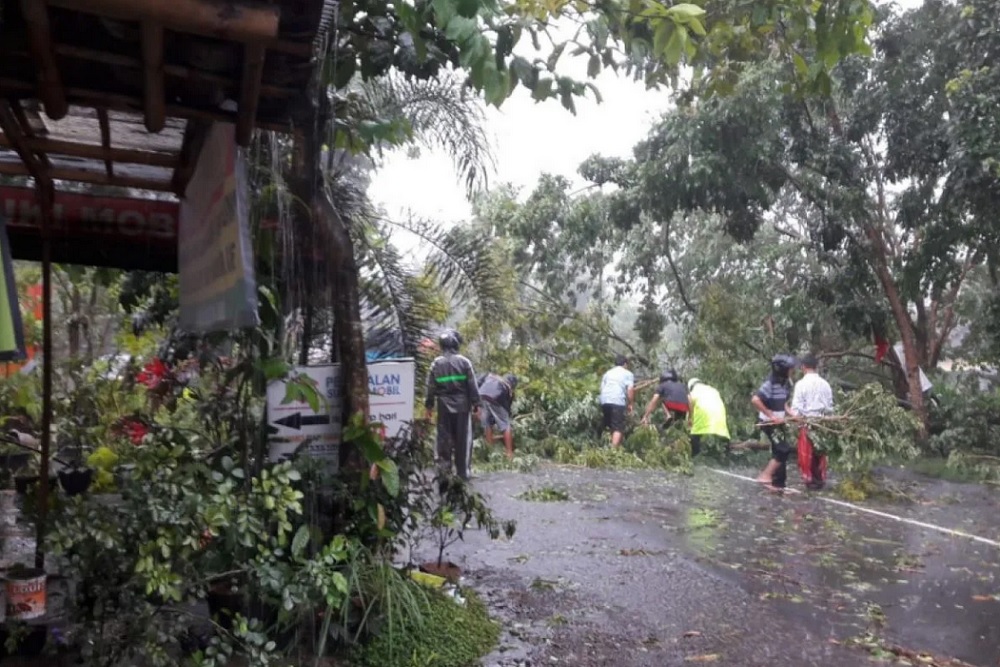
x: 465, y: 263
x: 437, y: 113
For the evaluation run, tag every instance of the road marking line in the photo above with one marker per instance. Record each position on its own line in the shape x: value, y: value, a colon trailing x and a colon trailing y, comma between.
x: 884, y: 515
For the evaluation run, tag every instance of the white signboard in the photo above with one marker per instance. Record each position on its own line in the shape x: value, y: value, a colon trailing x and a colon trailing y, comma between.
x: 391, y: 392
x: 290, y: 425
x: 215, y: 260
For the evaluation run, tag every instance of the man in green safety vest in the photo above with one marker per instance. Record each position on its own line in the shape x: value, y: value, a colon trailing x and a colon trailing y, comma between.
x: 707, y: 416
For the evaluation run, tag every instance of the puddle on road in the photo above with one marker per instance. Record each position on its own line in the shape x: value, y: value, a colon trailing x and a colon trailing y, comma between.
x: 843, y: 573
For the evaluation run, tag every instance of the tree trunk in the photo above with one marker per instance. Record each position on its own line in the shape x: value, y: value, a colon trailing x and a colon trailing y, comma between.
x: 350, y: 335
x: 906, y: 329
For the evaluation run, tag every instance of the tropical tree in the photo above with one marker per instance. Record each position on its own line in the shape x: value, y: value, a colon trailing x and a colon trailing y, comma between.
x: 881, y: 192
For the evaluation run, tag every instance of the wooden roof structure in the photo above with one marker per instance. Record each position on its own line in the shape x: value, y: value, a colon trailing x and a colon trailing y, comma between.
x: 121, y: 92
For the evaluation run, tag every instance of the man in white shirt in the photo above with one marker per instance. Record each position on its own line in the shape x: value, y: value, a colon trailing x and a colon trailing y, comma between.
x: 812, y: 397
x: 617, y: 396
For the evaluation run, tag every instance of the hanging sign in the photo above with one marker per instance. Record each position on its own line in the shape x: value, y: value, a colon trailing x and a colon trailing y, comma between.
x: 11, y: 327
x: 391, y: 392
x: 120, y: 232
x: 218, y: 291
x: 295, y: 424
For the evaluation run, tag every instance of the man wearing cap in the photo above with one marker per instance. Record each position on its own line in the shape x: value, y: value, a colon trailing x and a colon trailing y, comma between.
x: 707, y: 416
x: 617, y: 395
x: 771, y: 401
x: 497, y: 394
x: 812, y: 397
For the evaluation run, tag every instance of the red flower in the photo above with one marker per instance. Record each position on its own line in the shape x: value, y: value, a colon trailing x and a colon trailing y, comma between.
x: 136, y: 431
x: 153, y: 373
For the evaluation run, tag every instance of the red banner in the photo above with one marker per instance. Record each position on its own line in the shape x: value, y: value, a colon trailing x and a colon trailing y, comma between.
x: 89, y: 215
x: 117, y: 232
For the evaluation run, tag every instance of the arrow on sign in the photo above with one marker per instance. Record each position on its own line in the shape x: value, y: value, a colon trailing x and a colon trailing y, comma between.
x: 297, y: 421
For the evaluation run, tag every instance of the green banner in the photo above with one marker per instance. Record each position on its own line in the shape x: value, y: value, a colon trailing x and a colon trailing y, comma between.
x: 11, y: 326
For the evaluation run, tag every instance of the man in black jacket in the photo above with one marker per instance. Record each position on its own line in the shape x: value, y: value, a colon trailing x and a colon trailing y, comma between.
x: 498, y: 398
x: 451, y: 385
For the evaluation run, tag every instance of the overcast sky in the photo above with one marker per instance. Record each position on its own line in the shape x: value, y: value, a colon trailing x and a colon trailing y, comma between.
x: 529, y: 139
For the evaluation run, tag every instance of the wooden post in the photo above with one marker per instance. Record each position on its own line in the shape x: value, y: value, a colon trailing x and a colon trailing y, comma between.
x: 154, y: 95
x: 46, y: 196
x: 50, y: 87
x: 253, y: 72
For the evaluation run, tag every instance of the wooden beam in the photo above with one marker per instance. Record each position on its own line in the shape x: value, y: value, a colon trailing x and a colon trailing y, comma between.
x: 130, y: 104
x: 102, y: 119
x: 29, y: 133
x: 50, y: 88
x: 95, y: 152
x: 154, y: 92
x: 194, y: 139
x: 222, y: 19
x: 30, y: 164
x: 181, y: 72
x: 253, y: 72
x: 92, y: 177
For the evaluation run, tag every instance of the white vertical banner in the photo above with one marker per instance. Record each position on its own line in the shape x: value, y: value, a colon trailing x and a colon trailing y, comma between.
x: 218, y: 291
x: 391, y: 393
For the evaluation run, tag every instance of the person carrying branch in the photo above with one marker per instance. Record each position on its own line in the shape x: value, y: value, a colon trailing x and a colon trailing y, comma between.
x: 452, y: 387
x: 707, y: 416
x: 497, y: 394
x: 771, y: 401
x: 672, y: 394
x: 812, y: 397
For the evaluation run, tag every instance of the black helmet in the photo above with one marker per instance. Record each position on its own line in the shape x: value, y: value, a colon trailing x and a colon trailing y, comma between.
x: 782, y: 364
x: 511, y: 380
x: 450, y: 340
x: 669, y: 375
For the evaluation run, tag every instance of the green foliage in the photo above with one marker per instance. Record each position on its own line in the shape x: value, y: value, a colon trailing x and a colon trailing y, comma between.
x: 456, y: 508
x: 966, y: 419
x: 448, y: 634
x: 545, y: 494
x: 869, y: 427
x: 647, y: 39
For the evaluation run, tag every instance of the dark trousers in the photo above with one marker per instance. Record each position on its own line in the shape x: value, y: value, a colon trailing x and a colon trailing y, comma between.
x: 781, y: 449
x: 454, y: 441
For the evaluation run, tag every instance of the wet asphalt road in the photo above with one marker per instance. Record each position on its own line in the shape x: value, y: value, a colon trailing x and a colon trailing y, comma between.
x: 650, y: 568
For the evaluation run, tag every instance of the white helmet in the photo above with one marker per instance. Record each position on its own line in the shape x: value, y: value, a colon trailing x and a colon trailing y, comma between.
x: 692, y: 382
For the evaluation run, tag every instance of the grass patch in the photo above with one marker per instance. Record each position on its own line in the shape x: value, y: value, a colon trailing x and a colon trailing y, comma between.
x: 546, y: 494
x: 939, y: 468
x: 867, y: 487
x: 447, y: 635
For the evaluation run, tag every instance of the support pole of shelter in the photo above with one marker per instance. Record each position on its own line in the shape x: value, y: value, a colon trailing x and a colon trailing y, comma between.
x: 46, y: 197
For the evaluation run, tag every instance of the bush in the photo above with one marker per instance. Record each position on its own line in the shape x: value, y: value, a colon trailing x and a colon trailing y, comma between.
x: 966, y: 420
x: 448, y: 634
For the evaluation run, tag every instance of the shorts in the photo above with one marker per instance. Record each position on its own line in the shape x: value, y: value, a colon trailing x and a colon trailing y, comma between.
x: 613, y: 418
x: 493, y: 415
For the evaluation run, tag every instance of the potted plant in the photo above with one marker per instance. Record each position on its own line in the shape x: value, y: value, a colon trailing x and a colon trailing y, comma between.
x: 28, y: 475
x: 458, y: 506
